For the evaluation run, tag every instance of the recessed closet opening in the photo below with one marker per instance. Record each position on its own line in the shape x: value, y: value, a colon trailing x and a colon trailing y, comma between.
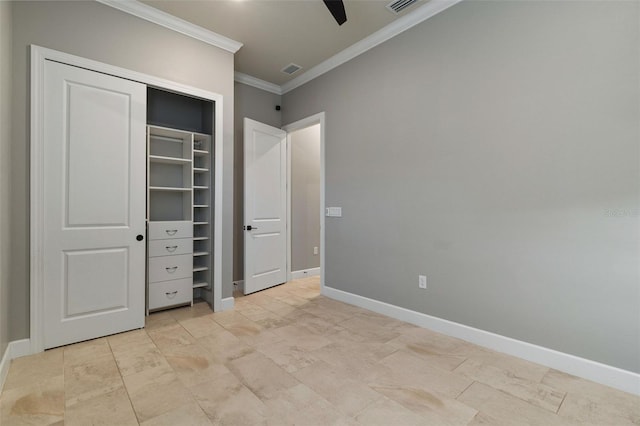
x: 180, y: 188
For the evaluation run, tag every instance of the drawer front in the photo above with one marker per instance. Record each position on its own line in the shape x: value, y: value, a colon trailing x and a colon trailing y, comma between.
x: 169, y: 293
x: 170, y: 247
x: 167, y: 268
x: 166, y: 230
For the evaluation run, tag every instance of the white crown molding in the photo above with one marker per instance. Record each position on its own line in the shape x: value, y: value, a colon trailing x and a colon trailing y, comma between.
x: 151, y: 14
x: 396, y: 27
x: 257, y: 83
x: 623, y: 380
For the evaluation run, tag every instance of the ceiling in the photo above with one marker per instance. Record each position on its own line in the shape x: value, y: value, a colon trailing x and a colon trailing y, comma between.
x: 276, y: 33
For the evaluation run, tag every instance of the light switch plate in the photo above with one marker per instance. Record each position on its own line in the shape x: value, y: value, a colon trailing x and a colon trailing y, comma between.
x: 334, y: 211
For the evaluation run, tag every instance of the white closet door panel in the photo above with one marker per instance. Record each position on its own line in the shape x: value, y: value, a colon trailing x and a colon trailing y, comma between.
x: 88, y: 293
x: 94, y: 197
x: 97, y: 144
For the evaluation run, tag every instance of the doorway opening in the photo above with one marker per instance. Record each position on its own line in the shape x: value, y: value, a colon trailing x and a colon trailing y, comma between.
x: 305, y: 198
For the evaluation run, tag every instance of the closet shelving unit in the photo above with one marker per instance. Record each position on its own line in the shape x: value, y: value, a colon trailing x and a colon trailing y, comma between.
x: 202, y: 213
x: 179, y: 213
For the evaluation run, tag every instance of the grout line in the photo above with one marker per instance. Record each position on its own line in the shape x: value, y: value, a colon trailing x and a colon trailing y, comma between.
x: 124, y: 385
x: 465, y: 389
x: 562, y: 402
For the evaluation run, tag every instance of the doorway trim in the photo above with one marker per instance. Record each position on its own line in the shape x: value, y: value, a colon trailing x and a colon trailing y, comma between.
x: 318, y: 118
x: 36, y: 201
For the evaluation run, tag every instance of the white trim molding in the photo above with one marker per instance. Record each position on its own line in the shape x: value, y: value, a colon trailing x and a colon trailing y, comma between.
x: 14, y: 350
x: 36, y: 225
x: 151, y: 14
x: 304, y: 273
x: 257, y: 83
x: 614, y: 377
x: 396, y: 27
x: 228, y: 303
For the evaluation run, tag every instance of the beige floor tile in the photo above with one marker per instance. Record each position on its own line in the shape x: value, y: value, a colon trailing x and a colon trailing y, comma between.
x: 301, y: 337
x: 429, y: 353
x: 171, y: 335
x: 139, y: 360
x: 288, y: 356
x: 124, y: 341
x: 91, y: 379
x: 155, y: 391
x: 534, y: 393
x: 367, y: 329
x: 270, y: 320
x: 591, y: 403
x: 408, y: 370
x: 506, y: 408
x: 112, y: 408
x: 201, y: 326
x: 261, y: 375
x: 194, y: 364
x: 197, y: 310
x: 159, y: 320
x: 28, y: 370
x: 434, y: 408
x: 516, y: 366
x: 347, y: 395
x: 40, y: 403
x: 225, y: 346
x: 229, y: 402
x: 190, y: 414
x: 88, y: 351
x: 302, y: 406
x: 385, y: 412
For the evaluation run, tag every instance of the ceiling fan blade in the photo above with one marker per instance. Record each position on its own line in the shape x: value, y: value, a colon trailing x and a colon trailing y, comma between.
x: 336, y: 7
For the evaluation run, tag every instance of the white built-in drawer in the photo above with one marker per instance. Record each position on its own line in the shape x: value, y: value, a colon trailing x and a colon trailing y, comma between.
x: 170, y: 293
x: 165, y: 230
x: 170, y: 247
x: 166, y: 268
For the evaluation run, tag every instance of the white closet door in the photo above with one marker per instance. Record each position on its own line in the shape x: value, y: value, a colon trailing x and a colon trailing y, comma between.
x: 94, y: 196
x: 265, y: 206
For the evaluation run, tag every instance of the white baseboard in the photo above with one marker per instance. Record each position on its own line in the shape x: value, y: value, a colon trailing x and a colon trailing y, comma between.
x: 304, y: 273
x: 227, y: 303
x: 614, y: 377
x: 14, y: 350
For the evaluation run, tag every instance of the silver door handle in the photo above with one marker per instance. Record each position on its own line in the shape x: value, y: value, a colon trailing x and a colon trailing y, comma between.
x: 171, y: 249
x: 171, y: 231
x: 171, y: 294
x: 171, y: 269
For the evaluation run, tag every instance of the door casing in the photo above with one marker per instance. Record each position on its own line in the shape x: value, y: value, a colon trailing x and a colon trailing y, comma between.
x: 36, y: 225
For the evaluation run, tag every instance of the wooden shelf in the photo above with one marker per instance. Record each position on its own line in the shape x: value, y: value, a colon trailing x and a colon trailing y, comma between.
x: 168, y: 188
x: 200, y: 170
x: 201, y: 206
x: 200, y: 152
x: 200, y: 285
x: 200, y: 238
x: 200, y: 253
x: 168, y: 160
x: 200, y: 268
x: 200, y: 187
x: 200, y: 223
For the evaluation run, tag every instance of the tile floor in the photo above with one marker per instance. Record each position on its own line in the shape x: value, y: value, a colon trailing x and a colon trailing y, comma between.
x: 289, y: 356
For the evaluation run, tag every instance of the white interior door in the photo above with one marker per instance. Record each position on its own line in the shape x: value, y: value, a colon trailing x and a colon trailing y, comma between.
x: 265, y: 206
x: 94, y: 204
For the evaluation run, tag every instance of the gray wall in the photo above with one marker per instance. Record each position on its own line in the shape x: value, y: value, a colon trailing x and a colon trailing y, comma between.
x: 5, y: 185
x: 495, y: 149
x: 305, y: 198
x: 98, y: 32
x: 258, y: 105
